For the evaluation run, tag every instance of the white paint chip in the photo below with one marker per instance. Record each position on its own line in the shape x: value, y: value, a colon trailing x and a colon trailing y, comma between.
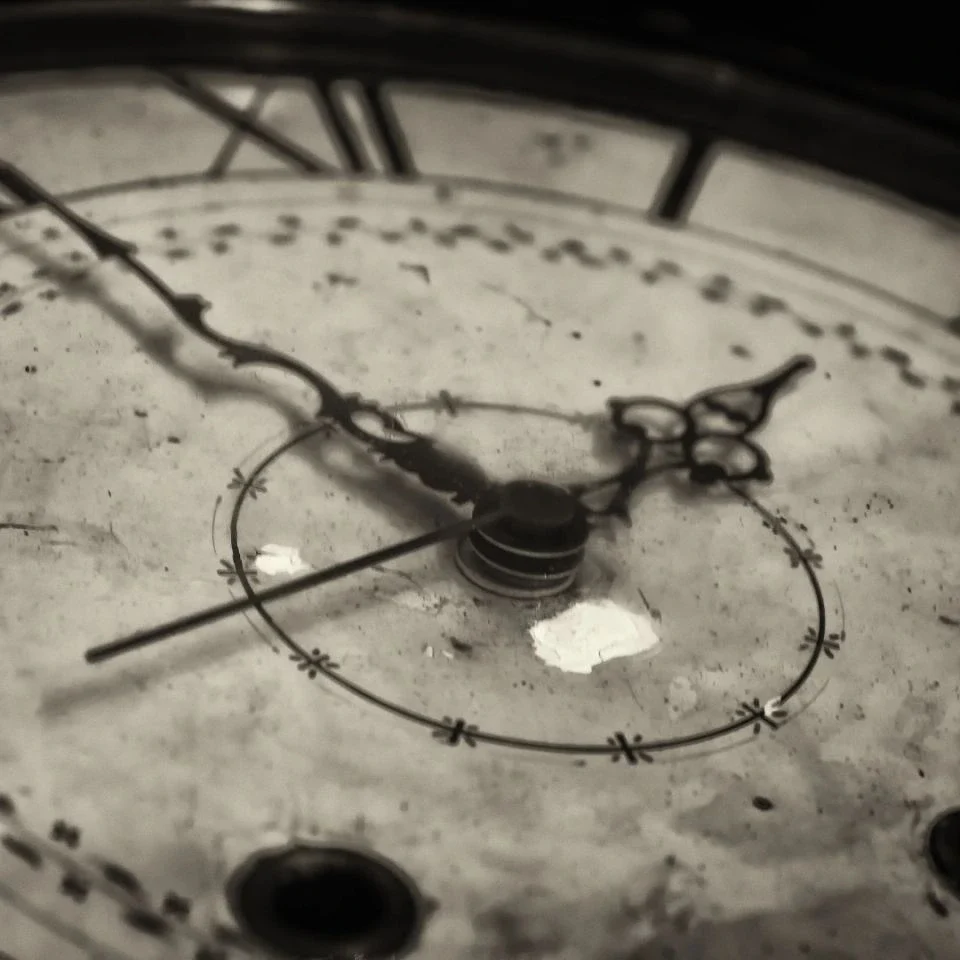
x: 591, y: 633
x: 274, y: 560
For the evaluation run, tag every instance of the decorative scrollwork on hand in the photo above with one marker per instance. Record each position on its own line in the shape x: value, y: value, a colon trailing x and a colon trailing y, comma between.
x: 709, y: 437
x: 442, y: 471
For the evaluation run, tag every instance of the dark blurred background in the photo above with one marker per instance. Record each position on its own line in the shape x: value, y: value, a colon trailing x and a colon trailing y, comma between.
x: 896, y: 44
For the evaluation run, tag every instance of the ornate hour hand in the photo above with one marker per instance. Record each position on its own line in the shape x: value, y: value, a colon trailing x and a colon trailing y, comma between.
x: 538, y: 552
x: 743, y: 408
x: 709, y: 436
x: 439, y: 470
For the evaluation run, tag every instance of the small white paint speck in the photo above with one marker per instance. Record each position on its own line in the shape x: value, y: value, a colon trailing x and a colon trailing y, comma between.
x: 428, y: 650
x: 274, y: 560
x: 589, y: 633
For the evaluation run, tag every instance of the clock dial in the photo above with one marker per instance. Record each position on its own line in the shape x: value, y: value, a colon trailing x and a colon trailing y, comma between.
x: 566, y: 498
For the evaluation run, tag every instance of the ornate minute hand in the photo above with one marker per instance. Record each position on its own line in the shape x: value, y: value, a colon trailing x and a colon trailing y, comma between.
x: 338, y: 571
x: 438, y: 469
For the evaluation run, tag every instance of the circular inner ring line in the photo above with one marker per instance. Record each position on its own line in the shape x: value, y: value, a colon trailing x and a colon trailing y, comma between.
x: 481, y: 736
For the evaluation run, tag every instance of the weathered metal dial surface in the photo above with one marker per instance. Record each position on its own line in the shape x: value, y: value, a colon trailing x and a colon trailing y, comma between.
x: 725, y: 739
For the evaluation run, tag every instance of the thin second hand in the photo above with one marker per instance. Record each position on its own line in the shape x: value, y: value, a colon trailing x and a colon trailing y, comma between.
x: 136, y: 641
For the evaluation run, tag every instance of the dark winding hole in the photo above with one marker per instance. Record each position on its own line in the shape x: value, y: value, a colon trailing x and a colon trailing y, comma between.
x: 943, y: 848
x: 308, y: 900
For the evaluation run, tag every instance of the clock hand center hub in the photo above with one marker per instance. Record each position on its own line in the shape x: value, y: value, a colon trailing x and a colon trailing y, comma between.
x: 535, y: 550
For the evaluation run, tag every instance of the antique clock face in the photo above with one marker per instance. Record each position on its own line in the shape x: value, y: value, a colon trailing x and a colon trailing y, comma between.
x: 573, y: 485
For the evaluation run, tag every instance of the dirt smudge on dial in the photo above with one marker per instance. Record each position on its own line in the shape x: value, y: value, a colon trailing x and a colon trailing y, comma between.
x: 501, y: 786
x: 917, y: 719
x: 559, y: 149
x: 912, y: 379
x: 419, y: 269
x: 665, y: 901
x: 528, y: 925
x: 810, y: 328
x: 895, y: 356
x: 31, y: 480
x: 672, y: 904
x: 859, y: 801
x: 461, y: 646
x: 717, y: 289
x: 843, y: 926
x: 8, y: 751
x: 96, y: 540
